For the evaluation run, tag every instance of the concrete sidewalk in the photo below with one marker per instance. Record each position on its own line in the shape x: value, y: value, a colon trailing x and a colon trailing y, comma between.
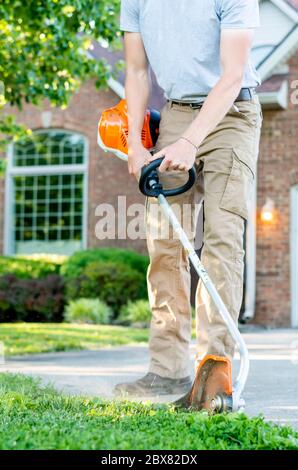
x: 272, y: 388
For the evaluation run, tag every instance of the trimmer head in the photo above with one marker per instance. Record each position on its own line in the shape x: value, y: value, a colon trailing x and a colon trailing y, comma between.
x: 113, y: 130
x: 212, y: 389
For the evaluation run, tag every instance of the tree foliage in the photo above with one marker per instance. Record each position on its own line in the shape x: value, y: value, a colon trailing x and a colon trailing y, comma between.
x: 43, y: 50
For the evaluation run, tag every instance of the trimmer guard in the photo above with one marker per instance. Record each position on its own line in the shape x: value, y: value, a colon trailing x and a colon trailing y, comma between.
x: 212, y: 388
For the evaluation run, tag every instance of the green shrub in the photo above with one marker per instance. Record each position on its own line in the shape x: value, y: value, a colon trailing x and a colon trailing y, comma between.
x: 112, y: 282
x: 92, y: 311
x: 75, y: 264
x: 31, y: 300
x: 28, y: 268
x: 136, y: 312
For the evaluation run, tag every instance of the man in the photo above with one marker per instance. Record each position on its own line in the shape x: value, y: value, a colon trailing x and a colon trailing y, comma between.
x: 200, y: 53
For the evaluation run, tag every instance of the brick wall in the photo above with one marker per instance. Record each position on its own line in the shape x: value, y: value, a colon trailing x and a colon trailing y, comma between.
x: 277, y: 173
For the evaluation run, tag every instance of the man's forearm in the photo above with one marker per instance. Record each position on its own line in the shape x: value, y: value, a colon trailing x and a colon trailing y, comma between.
x: 137, y: 90
x: 216, y: 106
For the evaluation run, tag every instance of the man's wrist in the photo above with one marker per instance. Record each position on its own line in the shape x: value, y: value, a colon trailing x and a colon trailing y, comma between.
x: 190, y: 141
x: 135, y: 142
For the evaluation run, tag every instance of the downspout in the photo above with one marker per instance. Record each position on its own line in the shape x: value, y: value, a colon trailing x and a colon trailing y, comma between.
x: 251, y: 249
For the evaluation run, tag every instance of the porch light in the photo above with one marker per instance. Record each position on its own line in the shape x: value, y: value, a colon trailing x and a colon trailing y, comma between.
x: 267, y: 212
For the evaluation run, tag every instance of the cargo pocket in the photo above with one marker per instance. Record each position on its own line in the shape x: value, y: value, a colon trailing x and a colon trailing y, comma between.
x: 238, y: 191
x: 248, y: 111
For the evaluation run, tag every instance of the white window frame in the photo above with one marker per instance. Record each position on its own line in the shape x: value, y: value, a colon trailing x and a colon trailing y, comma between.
x: 294, y: 256
x: 13, y: 171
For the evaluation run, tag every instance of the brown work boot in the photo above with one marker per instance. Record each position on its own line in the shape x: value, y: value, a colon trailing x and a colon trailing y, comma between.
x: 213, y: 379
x: 152, y: 384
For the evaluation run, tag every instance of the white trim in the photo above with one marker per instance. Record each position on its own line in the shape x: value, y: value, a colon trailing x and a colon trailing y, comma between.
x: 251, y: 244
x: 47, y: 170
x: 276, y: 99
x: 117, y: 87
x: 8, y: 215
x: 286, y: 8
x: 283, y: 52
x: 85, y: 198
x: 281, y: 69
x: 294, y: 256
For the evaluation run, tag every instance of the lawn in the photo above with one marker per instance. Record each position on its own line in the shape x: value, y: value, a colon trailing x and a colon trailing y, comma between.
x: 34, y: 417
x: 34, y: 338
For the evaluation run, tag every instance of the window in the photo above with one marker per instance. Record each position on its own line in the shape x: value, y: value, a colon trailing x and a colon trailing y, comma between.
x: 45, y: 194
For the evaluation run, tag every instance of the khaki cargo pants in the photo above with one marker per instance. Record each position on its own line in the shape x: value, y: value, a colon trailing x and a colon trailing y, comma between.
x: 226, y: 168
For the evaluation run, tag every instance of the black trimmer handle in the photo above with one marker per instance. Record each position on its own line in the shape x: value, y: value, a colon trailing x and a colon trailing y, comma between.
x: 149, y: 181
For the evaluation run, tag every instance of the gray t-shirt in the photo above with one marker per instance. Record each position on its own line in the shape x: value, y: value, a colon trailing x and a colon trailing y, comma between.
x: 182, y: 40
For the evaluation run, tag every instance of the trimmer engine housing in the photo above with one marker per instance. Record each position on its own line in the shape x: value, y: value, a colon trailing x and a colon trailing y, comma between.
x: 113, y: 130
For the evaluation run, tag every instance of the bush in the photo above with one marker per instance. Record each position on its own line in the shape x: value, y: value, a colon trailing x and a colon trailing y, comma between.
x: 31, y: 300
x: 92, y: 311
x: 75, y: 264
x: 114, y: 283
x: 136, y: 312
x: 27, y: 268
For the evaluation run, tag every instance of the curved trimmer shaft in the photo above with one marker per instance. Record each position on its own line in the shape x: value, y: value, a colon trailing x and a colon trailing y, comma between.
x: 240, y: 382
x: 150, y: 186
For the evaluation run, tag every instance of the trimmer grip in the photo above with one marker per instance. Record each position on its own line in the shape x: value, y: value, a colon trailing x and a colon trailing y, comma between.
x: 150, y: 186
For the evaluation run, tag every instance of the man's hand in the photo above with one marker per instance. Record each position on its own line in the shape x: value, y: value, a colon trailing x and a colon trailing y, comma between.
x: 138, y: 156
x: 178, y: 156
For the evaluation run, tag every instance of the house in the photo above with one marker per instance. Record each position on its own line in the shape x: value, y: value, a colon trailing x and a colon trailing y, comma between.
x: 50, y: 195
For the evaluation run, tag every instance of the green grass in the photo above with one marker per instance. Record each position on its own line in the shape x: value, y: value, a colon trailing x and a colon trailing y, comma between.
x: 34, y: 338
x: 33, y: 417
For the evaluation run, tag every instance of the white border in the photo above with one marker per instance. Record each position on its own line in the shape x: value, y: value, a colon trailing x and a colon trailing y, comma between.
x: 294, y: 256
x: 276, y: 99
x: 8, y: 207
x: 282, y: 53
x: 286, y: 8
x: 117, y: 87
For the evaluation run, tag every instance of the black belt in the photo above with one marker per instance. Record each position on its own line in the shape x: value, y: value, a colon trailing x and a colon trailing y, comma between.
x: 246, y: 94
